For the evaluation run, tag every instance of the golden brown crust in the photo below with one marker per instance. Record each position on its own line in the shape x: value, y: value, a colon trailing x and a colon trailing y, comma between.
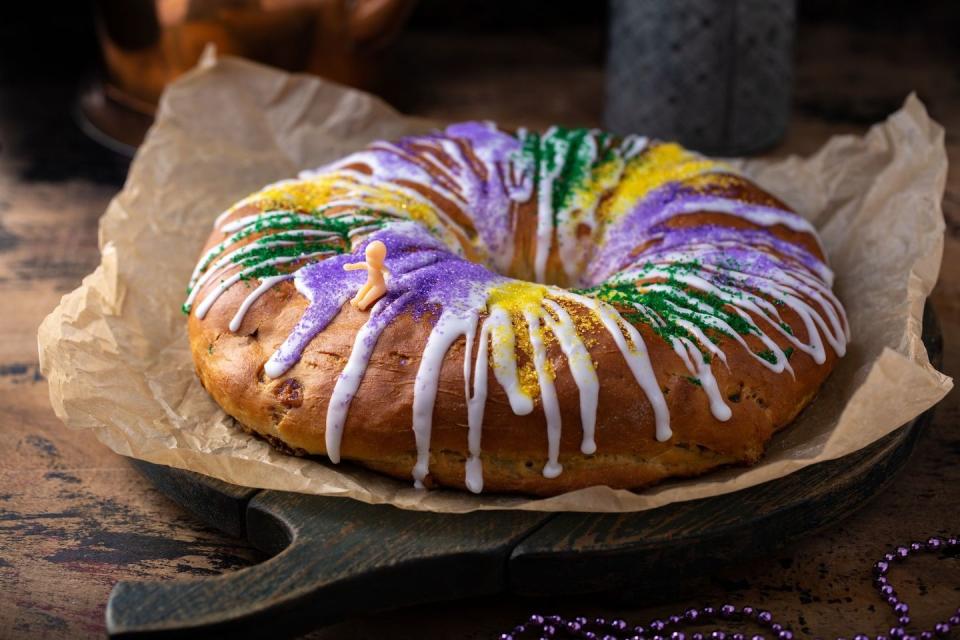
x: 292, y: 409
x: 378, y: 435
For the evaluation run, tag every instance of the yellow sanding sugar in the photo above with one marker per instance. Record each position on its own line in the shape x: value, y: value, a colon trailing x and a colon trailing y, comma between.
x: 604, y: 177
x: 707, y: 180
x: 320, y: 192
x: 660, y: 164
x: 300, y: 196
x: 505, y: 340
x: 516, y: 296
x: 529, y: 381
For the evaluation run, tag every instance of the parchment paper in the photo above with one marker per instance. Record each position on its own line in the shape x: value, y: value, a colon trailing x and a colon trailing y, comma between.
x: 116, y: 356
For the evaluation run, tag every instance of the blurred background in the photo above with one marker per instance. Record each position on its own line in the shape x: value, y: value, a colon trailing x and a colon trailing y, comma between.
x: 719, y: 76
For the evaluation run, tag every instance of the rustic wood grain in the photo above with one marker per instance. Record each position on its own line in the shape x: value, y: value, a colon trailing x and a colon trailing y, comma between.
x: 75, y: 518
x: 339, y: 557
x: 218, y: 504
x: 617, y: 553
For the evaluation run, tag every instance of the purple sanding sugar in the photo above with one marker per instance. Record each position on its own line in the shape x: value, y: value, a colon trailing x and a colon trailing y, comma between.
x: 648, y: 219
x: 624, y: 234
x: 427, y: 279
x: 747, y: 254
x: 481, y: 182
x: 424, y: 278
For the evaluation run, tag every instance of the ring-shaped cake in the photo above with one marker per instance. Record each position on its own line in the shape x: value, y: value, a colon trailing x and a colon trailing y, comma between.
x: 562, y: 310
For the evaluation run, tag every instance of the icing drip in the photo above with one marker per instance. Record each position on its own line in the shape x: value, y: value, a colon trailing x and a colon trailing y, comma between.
x: 265, y: 285
x: 634, y: 352
x: 448, y: 330
x: 476, y: 403
x: 549, y: 170
x: 504, y: 352
x: 548, y: 396
x: 698, y: 366
x: 352, y: 374
x: 581, y: 367
x: 597, y: 202
x: 572, y: 169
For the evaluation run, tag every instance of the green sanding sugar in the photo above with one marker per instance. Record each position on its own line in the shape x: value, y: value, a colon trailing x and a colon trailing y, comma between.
x: 572, y: 144
x: 672, y: 302
x: 269, y: 221
x: 571, y: 155
x: 291, y: 225
x: 767, y: 355
x: 267, y: 252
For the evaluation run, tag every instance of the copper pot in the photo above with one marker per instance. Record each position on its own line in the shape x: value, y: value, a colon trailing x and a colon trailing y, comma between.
x: 148, y: 43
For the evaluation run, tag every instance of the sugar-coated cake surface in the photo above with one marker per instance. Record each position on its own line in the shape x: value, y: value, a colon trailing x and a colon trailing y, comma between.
x: 562, y: 309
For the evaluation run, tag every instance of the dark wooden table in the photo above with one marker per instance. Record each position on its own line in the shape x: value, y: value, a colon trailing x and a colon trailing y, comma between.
x: 75, y: 517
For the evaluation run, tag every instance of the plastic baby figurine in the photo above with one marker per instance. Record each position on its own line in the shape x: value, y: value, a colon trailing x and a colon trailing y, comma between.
x: 375, y: 286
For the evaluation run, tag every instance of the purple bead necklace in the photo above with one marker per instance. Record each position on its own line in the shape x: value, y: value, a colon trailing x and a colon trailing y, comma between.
x: 553, y: 626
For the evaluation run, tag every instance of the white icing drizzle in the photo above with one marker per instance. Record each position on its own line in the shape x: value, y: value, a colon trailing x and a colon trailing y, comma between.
x: 204, y: 306
x: 278, y: 364
x: 498, y: 329
x: 265, y: 285
x: 820, y: 275
x: 253, y: 197
x: 635, y: 354
x: 449, y: 329
x: 548, y: 396
x: 573, y: 245
x: 633, y: 145
x: 545, y: 211
x: 503, y: 349
x: 368, y: 186
x: 570, y: 250
x: 350, y: 378
x: 235, y: 229
x: 476, y: 403
x: 231, y: 257
x: 581, y: 208
x: 277, y: 214
x: 437, y: 175
x: 837, y: 334
x: 755, y: 213
x: 581, y: 368
x: 699, y: 368
x: 499, y: 238
x: 791, y: 280
x: 454, y: 179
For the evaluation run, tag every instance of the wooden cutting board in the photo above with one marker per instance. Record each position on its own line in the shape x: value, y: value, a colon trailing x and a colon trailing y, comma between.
x: 331, y: 557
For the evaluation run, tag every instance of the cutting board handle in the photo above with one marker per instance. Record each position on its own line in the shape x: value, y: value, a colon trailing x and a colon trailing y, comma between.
x: 333, y: 557
x: 336, y: 557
